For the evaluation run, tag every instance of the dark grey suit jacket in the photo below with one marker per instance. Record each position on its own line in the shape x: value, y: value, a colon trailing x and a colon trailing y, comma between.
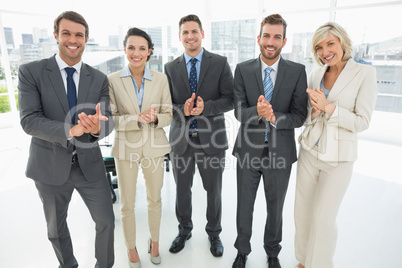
x: 44, y: 113
x: 215, y: 87
x: 289, y: 102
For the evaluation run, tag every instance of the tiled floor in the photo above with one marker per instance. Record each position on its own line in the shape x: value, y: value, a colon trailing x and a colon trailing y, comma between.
x: 369, y: 222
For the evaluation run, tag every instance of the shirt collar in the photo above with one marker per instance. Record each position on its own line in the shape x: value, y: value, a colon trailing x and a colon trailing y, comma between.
x: 61, y: 63
x: 126, y: 72
x: 198, y: 57
x: 274, y: 66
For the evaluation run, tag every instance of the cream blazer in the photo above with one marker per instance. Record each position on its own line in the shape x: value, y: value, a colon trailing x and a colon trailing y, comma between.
x: 133, y: 139
x: 354, y: 94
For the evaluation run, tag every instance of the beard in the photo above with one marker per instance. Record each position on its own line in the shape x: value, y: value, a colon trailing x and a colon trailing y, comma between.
x: 270, y: 56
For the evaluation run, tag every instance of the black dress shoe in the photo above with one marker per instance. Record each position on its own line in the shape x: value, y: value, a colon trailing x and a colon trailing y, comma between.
x: 178, y: 242
x: 240, y: 261
x: 216, y: 246
x: 273, y: 262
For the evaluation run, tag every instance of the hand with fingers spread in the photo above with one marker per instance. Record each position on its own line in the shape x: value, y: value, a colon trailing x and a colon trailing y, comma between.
x: 317, y: 98
x: 88, y: 123
x: 319, y: 102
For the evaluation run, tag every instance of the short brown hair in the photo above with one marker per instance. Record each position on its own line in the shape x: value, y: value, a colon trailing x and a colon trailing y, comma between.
x: 274, y: 19
x: 190, y: 17
x: 73, y: 16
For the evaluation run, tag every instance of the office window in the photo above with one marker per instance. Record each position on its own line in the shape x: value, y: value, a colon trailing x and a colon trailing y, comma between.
x: 29, y: 35
x: 379, y: 45
x: 286, y: 6
x: 342, y: 3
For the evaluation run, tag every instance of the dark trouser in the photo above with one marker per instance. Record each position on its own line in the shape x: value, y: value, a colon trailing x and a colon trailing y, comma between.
x: 275, y: 187
x: 97, y: 198
x: 211, y: 168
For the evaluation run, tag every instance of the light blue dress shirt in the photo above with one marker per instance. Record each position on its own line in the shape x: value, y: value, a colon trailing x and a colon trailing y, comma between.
x: 326, y: 91
x: 140, y: 93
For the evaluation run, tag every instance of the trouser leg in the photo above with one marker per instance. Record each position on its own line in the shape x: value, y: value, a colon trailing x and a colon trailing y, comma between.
x: 127, y: 174
x: 183, y: 170
x: 276, y: 183
x: 96, y: 196
x: 306, y: 188
x: 248, y: 180
x: 153, y: 171
x: 55, y: 201
x: 211, y: 168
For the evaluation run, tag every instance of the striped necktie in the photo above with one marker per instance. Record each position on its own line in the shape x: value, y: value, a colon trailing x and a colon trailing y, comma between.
x: 268, y: 90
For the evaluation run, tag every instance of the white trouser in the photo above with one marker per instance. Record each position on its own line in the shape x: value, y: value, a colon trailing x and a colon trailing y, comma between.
x: 320, y: 188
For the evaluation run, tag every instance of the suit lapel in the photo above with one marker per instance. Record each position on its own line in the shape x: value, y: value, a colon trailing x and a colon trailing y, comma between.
x: 258, y: 74
x: 181, y: 66
x: 206, y: 61
x: 84, y: 84
x: 147, y: 94
x: 130, y: 91
x: 318, y: 78
x: 344, y: 78
x: 57, y: 83
x: 279, y: 78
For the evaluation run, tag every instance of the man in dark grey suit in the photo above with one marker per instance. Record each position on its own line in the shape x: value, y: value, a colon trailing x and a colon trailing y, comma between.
x: 65, y: 155
x: 201, y: 85
x: 270, y: 101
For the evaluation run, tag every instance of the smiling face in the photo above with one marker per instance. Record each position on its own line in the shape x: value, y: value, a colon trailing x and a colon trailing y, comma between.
x: 191, y: 37
x: 137, y: 51
x: 71, y: 39
x: 271, y: 42
x: 330, y: 50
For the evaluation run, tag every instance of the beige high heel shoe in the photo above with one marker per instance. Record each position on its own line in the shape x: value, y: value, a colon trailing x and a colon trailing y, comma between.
x: 134, y: 264
x: 154, y: 260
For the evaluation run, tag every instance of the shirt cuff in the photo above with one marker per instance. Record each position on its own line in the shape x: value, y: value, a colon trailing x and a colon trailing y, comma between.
x: 95, y: 135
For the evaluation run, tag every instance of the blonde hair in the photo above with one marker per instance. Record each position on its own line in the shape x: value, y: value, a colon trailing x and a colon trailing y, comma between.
x: 336, y: 30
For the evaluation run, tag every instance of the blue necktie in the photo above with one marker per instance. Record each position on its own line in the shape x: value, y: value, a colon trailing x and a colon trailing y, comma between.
x: 193, y: 87
x: 268, y: 90
x: 71, y: 92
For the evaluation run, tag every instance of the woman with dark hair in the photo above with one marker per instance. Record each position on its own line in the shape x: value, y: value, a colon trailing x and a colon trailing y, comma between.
x: 141, y: 107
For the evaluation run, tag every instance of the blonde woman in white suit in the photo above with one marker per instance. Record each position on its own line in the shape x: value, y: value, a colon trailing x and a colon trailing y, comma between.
x: 141, y: 107
x: 342, y: 96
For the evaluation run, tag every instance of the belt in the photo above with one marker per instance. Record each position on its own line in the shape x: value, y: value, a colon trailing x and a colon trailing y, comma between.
x: 74, y: 159
x: 193, y: 134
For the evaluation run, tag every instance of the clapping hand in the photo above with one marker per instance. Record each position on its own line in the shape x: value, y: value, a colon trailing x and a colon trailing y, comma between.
x: 148, y: 116
x: 88, y: 123
x: 199, y: 108
x: 264, y: 109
